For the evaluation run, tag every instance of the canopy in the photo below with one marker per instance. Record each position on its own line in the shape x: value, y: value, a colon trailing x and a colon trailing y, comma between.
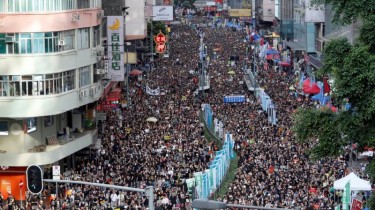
x: 356, y: 183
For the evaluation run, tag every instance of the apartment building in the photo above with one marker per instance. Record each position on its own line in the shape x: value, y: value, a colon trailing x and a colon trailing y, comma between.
x: 50, y: 53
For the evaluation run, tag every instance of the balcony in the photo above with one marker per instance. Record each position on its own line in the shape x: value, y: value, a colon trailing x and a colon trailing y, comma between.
x: 34, y: 106
x: 51, y: 153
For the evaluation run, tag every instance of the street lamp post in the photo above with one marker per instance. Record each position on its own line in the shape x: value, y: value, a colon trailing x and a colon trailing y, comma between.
x: 201, y: 203
x: 124, y: 13
x: 202, y: 71
x: 127, y: 44
x: 254, y: 70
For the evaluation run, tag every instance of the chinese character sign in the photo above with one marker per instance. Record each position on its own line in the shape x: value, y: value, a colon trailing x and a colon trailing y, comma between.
x: 160, y: 41
x: 115, y: 40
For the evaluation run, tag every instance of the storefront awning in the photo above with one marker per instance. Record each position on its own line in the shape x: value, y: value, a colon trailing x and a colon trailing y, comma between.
x: 295, y: 45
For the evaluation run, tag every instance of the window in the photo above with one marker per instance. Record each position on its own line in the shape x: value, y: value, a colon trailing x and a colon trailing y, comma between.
x: 4, y: 128
x: 84, y: 76
x: 15, y: 86
x: 1, y: 6
x: 12, y: 43
x: 4, y: 86
x: 83, y: 38
x: 96, y: 3
x: 38, y: 43
x: 38, y: 6
x: 83, y: 4
x: 68, y: 80
x: 69, y: 40
x: 27, y: 85
x: 51, y: 42
x: 48, y: 121
x: 42, y: 84
x: 25, y: 43
x: 31, y: 124
x: 3, y: 47
x: 67, y: 4
x: 96, y: 38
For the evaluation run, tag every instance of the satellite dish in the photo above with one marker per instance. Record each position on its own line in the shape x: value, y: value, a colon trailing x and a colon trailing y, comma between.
x: 15, y: 129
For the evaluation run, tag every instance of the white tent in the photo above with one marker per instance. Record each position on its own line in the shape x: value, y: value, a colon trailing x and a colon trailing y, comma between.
x: 356, y: 183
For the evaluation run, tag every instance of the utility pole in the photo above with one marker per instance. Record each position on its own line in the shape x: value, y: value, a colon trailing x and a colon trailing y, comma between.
x: 253, y: 14
x: 126, y: 80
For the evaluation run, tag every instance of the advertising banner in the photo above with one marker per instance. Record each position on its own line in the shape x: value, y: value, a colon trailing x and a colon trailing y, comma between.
x: 346, y: 197
x: 240, y: 12
x: 162, y: 13
x: 115, y: 40
x: 199, y: 183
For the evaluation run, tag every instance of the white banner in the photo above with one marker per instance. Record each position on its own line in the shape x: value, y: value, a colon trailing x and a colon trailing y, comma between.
x: 161, y: 13
x: 115, y: 43
x: 153, y: 92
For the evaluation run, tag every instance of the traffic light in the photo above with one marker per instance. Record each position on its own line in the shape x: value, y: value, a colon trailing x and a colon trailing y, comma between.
x: 34, y: 178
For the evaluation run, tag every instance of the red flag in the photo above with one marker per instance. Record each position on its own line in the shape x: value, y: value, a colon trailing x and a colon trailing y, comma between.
x: 327, y: 88
x: 271, y: 169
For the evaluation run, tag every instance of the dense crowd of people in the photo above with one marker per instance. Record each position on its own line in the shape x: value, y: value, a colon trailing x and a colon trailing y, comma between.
x: 274, y: 170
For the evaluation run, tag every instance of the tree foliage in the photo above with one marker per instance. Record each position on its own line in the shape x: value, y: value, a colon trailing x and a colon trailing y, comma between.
x: 367, y: 32
x: 352, y: 67
x: 347, y: 11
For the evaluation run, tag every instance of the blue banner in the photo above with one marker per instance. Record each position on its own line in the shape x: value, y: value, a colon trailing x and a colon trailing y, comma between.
x: 234, y: 99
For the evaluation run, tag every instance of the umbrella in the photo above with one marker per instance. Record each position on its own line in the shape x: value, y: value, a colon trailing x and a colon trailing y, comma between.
x: 151, y: 119
x: 283, y: 63
x: 272, y: 52
x: 272, y: 56
x: 310, y: 87
x: 135, y: 72
x: 231, y: 72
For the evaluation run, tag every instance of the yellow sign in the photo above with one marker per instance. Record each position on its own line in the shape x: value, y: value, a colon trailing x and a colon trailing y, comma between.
x: 240, y: 12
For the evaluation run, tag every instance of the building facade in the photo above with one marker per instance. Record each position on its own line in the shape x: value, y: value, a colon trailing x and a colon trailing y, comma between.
x: 50, y: 56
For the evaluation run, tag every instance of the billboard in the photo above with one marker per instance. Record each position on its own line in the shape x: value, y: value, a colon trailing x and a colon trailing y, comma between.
x: 135, y: 24
x: 240, y: 12
x: 115, y: 41
x: 161, y: 13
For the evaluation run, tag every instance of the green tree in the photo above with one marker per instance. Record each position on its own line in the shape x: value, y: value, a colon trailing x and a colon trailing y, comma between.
x: 346, y: 11
x: 352, y: 67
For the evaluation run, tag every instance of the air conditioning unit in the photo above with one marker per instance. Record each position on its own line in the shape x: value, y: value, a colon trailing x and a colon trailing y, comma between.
x: 106, y: 66
x: 75, y: 17
x: 10, y: 39
x: 82, y: 94
x: 61, y: 42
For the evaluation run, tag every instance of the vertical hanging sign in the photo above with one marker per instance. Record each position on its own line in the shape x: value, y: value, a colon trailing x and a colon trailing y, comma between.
x: 115, y: 41
x: 160, y: 41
